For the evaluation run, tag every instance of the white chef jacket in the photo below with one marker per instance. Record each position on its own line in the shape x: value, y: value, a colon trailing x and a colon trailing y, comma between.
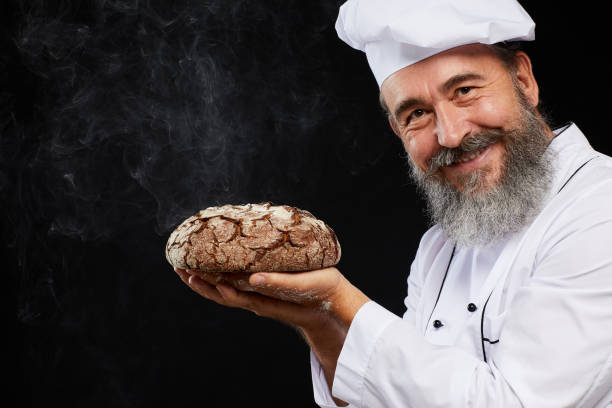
x: 525, y: 322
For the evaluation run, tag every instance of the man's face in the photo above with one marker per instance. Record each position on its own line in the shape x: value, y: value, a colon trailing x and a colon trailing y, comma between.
x: 476, y: 142
x: 451, y: 97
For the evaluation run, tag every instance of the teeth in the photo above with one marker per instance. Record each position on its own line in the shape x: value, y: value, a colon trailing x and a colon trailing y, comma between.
x: 470, y: 156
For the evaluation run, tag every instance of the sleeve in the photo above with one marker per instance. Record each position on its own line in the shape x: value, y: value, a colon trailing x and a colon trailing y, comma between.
x: 385, y: 362
x: 555, y: 345
x: 322, y: 396
x: 371, y: 319
x: 375, y: 318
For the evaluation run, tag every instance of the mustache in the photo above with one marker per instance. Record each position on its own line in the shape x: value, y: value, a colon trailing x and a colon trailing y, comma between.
x: 449, y: 155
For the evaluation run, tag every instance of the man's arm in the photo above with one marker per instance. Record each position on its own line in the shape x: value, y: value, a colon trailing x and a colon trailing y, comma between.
x: 320, y: 304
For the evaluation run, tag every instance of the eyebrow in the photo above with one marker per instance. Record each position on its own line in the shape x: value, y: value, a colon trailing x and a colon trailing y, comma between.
x: 457, y: 79
x: 407, y: 104
x: 449, y: 84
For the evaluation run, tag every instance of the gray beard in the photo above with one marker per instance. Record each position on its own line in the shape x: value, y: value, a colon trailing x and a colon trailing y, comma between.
x: 480, y: 217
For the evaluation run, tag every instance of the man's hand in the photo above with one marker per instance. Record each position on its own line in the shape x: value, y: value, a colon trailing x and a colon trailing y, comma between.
x: 321, y: 304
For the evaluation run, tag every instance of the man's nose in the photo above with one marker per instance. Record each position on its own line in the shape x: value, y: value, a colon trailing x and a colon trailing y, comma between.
x: 452, y: 126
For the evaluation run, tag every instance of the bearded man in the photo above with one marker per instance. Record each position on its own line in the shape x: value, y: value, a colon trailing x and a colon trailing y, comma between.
x: 510, y: 294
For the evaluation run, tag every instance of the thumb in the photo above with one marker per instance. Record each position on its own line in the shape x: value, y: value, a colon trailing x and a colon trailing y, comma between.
x: 298, y: 287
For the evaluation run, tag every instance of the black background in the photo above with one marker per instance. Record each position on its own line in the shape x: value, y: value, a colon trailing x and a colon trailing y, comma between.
x: 121, y: 118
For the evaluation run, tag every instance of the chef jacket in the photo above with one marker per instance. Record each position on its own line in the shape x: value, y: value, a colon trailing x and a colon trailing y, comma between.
x: 523, y: 322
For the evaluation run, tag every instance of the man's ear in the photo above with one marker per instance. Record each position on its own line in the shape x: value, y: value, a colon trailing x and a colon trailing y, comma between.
x: 526, y: 79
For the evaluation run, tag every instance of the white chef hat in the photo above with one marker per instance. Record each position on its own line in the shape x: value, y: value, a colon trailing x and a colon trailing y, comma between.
x: 398, y: 33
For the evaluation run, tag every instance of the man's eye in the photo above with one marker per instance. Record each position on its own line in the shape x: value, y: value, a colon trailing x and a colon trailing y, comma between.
x: 415, y: 114
x: 464, y: 90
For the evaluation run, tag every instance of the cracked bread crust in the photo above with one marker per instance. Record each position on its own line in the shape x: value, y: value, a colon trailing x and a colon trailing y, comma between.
x: 253, y: 238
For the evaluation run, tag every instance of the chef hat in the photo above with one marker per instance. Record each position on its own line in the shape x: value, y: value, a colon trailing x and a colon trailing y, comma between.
x: 398, y: 33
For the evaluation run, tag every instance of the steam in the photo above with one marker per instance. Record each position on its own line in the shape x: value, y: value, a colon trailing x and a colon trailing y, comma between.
x: 153, y: 112
x: 119, y: 119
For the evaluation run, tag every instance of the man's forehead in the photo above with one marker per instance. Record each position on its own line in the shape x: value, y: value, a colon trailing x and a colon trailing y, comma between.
x: 468, y: 61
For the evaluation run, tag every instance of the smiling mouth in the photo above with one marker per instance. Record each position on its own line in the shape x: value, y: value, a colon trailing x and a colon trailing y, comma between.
x: 469, y: 156
x: 466, y: 156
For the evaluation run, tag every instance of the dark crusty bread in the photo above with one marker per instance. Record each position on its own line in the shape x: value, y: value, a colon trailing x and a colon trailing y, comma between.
x: 252, y: 238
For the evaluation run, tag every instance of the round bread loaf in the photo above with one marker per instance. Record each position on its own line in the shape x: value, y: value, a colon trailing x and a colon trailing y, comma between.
x: 252, y: 238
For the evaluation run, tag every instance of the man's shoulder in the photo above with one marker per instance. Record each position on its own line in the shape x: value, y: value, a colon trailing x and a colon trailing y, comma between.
x: 600, y: 168
x: 576, y: 159
x: 590, y: 186
x: 581, y: 205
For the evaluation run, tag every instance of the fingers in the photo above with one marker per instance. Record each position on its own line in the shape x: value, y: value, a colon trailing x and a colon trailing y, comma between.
x: 226, y: 295
x: 239, y: 281
x: 295, y: 298
x: 298, y: 287
x: 312, y: 287
x: 183, y: 275
x: 199, y: 286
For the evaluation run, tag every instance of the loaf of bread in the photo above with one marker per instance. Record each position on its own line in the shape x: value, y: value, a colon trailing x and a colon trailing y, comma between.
x: 252, y: 238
